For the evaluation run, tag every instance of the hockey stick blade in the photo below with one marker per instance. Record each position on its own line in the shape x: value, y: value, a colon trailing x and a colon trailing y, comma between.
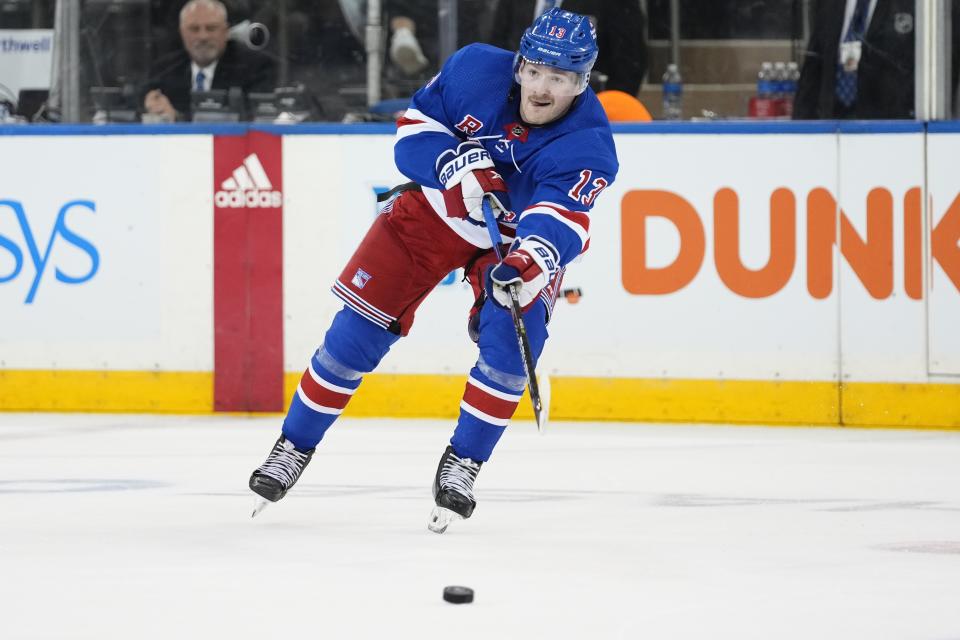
x: 526, y: 353
x: 544, y: 387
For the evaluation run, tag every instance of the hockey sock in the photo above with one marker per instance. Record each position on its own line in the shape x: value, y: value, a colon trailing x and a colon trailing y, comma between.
x: 320, y: 398
x: 352, y: 346
x: 496, y: 382
x: 489, y: 401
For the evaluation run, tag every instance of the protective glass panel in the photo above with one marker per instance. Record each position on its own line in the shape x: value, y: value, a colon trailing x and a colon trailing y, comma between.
x: 26, y: 54
x: 788, y: 58
x: 953, y: 46
x: 307, y: 60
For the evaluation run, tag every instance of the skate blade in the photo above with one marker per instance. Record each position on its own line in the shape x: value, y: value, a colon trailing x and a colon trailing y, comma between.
x: 259, y: 506
x: 440, y: 519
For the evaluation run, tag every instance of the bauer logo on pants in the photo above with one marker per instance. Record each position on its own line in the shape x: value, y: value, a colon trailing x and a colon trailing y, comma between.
x: 248, y: 186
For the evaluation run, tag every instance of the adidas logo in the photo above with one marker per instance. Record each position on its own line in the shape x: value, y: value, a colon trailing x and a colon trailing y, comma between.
x: 249, y: 186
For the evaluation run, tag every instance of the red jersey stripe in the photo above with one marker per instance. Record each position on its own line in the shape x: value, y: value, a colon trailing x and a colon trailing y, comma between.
x: 576, y: 217
x: 403, y: 121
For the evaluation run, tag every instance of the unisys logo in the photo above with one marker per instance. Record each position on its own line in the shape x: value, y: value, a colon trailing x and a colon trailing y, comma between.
x: 248, y: 186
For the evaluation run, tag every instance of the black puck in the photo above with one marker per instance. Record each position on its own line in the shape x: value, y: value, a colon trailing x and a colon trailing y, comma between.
x: 458, y: 595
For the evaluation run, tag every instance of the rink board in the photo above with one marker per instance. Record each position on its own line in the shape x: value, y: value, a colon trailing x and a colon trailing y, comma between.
x: 761, y: 275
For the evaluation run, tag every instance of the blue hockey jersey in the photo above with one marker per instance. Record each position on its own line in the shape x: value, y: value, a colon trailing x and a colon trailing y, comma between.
x: 554, y: 172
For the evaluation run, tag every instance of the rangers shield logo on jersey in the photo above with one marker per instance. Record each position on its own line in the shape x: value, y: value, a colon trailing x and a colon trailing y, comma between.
x: 360, y: 279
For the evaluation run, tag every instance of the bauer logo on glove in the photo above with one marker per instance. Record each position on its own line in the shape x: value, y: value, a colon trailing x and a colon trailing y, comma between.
x: 468, y: 156
x: 528, y: 267
x: 467, y: 174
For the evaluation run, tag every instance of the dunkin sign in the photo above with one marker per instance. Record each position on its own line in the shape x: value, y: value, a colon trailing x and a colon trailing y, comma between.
x: 870, y: 252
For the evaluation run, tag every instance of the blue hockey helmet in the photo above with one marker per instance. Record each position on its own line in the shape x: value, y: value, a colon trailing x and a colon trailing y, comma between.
x: 560, y: 39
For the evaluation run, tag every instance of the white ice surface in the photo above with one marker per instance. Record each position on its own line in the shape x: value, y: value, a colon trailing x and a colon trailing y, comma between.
x: 138, y: 527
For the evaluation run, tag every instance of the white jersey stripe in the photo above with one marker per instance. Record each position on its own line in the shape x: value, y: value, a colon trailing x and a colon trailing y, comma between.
x: 408, y: 130
x: 360, y: 311
x: 493, y: 392
x: 426, y: 124
x: 316, y: 407
x: 550, y: 211
x: 556, y: 205
x: 486, y: 417
x: 363, y: 303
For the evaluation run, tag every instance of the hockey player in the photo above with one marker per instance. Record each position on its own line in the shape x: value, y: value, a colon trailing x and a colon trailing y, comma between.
x: 523, y: 130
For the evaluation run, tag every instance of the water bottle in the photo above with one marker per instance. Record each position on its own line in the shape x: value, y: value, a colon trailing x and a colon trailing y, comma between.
x: 763, y: 105
x: 765, y: 81
x: 790, y: 87
x: 672, y: 93
x: 779, y: 87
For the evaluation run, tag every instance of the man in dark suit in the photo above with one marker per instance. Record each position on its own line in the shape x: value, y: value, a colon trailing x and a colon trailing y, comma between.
x: 208, y: 60
x: 859, y: 62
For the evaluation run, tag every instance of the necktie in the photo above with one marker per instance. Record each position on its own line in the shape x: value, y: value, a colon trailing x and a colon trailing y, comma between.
x: 201, y: 80
x: 846, y: 87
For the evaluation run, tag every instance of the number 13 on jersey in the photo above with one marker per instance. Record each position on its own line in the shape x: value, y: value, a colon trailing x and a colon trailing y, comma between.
x: 576, y: 193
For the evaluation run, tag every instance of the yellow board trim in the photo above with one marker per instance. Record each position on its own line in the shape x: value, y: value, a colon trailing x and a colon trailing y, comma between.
x: 885, y: 404
x: 856, y: 404
x: 727, y: 401
x: 107, y: 391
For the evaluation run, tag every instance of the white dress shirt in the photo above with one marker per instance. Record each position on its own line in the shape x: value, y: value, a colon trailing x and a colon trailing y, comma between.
x: 208, y: 72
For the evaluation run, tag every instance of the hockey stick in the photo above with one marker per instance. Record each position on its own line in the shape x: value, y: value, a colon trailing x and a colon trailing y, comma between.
x: 540, y: 410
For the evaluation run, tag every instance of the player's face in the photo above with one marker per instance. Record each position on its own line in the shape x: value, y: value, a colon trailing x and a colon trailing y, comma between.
x: 204, y: 33
x: 545, y: 93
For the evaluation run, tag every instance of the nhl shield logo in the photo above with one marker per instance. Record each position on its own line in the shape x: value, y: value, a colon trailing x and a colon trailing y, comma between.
x: 516, y: 131
x: 360, y: 279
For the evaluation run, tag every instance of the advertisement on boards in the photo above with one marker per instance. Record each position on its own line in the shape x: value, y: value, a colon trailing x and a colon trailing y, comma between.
x: 99, y: 268
x: 697, y: 267
x: 248, y: 193
x: 943, y: 300
x: 774, y: 258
